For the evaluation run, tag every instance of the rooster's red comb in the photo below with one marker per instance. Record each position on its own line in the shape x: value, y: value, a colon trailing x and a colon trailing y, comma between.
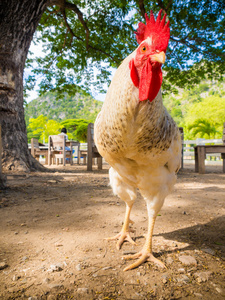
x: 155, y: 29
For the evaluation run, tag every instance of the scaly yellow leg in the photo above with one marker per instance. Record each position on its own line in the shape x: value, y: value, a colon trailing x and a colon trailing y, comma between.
x: 124, y: 234
x: 146, y: 253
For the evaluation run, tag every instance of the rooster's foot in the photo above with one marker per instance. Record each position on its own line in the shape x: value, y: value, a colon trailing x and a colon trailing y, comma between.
x: 122, y: 236
x: 142, y: 256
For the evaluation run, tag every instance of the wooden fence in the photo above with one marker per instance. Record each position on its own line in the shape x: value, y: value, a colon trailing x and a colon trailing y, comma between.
x: 188, y: 148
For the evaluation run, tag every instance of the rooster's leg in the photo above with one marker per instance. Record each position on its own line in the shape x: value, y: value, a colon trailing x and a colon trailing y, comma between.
x: 146, y: 253
x: 124, y: 234
x: 128, y: 194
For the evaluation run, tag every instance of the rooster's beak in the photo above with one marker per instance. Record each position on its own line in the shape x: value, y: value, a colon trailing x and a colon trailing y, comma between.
x: 159, y: 57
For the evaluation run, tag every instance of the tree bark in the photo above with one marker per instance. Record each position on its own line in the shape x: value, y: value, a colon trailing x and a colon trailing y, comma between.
x: 18, y: 22
x: 2, y: 177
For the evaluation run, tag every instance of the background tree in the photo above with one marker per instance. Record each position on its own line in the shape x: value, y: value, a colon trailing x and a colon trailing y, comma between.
x: 78, y: 35
x: 78, y: 127
x: 81, y: 133
x: 208, y: 116
x: 203, y: 128
x: 42, y: 128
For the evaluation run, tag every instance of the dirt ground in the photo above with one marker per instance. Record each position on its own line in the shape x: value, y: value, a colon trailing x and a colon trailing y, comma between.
x: 53, y: 225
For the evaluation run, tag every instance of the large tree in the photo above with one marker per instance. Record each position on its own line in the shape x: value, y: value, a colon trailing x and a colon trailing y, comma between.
x: 18, y: 22
x: 79, y: 34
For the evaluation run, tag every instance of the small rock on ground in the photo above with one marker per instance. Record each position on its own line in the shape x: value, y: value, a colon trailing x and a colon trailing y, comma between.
x: 3, y: 265
x: 82, y: 290
x: 187, y: 260
x: 202, y: 276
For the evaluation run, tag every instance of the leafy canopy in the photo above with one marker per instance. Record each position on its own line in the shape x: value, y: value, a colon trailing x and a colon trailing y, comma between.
x: 78, y: 127
x: 81, y: 39
x: 42, y: 128
x: 203, y: 128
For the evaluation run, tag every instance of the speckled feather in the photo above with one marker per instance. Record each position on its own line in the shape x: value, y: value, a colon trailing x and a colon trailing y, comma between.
x: 134, y: 134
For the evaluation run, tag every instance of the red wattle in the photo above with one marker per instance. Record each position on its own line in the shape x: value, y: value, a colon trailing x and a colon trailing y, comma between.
x: 145, y: 81
x: 133, y: 73
x: 150, y: 82
x: 155, y: 85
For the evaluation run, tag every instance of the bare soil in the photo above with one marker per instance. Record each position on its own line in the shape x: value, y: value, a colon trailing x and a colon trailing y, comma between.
x: 53, y: 225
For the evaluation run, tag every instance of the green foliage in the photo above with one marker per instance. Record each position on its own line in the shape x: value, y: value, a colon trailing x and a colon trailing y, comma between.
x: 41, y: 128
x: 208, y: 116
x: 199, y: 110
x: 77, y: 46
x: 79, y: 128
x: 203, y: 128
x: 81, y: 132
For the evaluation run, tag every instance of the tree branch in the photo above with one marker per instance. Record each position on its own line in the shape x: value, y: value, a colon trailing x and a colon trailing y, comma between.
x: 193, y: 47
x: 185, y: 42
x: 161, y: 5
x: 63, y: 5
x: 81, y: 19
x: 142, y: 7
x: 169, y: 4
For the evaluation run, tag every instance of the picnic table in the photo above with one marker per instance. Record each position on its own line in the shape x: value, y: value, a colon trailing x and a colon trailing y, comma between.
x: 200, y: 156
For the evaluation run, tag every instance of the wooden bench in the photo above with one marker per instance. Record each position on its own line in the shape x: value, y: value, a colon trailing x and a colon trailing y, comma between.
x: 36, y: 151
x: 202, y: 150
x: 57, y: 150
x: 92, y: 152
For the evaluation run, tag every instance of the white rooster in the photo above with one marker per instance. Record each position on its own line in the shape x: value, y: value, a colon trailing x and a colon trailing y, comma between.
x: 136, y: 135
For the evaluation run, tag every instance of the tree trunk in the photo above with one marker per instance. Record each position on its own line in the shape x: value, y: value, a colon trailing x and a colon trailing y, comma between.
x: 18, y: 22
x: 2, y: 177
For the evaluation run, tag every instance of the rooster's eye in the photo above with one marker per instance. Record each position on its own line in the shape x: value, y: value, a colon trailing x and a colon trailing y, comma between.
x: 143, y: 49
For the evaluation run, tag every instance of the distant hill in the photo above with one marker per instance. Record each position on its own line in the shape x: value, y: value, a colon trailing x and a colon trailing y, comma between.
x: 79, y: 106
